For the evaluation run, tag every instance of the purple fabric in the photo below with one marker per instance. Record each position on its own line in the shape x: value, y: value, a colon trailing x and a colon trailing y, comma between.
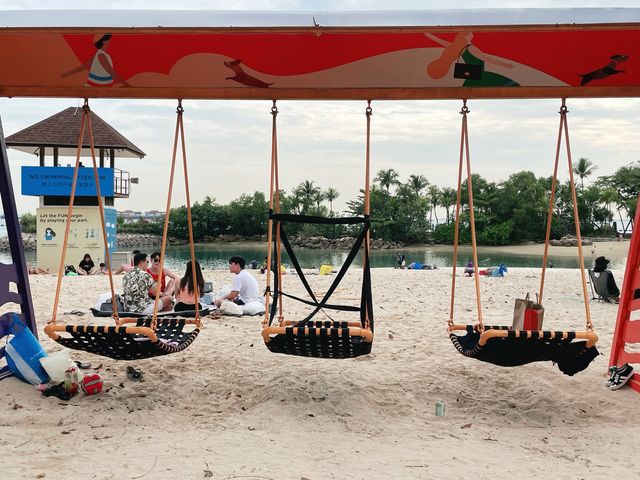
x: 15, y: 272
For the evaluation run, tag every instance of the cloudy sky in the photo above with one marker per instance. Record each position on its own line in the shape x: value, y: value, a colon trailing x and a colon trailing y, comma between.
x: 228, y: 142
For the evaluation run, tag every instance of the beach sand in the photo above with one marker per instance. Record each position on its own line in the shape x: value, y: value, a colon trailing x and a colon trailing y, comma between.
x: 228, y: 408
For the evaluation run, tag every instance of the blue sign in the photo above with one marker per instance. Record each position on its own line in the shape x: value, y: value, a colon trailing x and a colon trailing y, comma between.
x: 40, y: 181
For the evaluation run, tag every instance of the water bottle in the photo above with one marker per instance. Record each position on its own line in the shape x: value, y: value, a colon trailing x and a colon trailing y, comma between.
x: 440, y: 408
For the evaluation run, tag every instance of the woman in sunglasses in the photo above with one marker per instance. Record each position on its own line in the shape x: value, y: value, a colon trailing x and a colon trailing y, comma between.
x: 168, y: 280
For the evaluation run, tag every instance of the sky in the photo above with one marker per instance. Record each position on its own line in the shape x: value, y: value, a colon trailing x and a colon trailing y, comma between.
x: 228, y: 142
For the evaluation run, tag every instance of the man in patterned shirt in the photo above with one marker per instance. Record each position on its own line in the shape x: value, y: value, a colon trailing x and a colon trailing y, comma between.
x: 138, y: 285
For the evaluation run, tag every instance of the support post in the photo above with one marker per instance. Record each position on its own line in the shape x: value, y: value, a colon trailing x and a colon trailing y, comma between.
x: 16, y: 272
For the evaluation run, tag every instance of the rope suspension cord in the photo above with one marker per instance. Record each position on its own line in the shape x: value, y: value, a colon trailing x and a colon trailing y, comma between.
x: 273, y: 204
x: 464, y: 153
x: 179, y: 133
x: 276, y: 170
x: 563, y: 131
x: 554, y: 181
x: 367, y: 197
x: 85, y: 122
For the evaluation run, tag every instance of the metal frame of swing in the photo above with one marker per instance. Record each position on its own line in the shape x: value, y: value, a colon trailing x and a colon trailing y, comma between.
x: 145, y: 332
x: 488, y: 333
x: 325, y: 339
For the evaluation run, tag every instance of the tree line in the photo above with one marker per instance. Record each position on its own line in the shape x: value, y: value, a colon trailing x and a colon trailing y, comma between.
x: 506, y: 212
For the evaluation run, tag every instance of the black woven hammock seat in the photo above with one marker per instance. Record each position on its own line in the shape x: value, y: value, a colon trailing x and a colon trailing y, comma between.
x: 127, y: 342
x: 310, y: 337
x: 129, y: 338
x: 571, y: 351
x: 322, y: 338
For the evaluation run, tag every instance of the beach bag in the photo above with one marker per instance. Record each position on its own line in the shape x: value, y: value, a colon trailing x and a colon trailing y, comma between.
x: 104, y: 303
x: 466, y: 71
x: 527, y: 314
x: 326, y: 269
x: 230, y: 308
x: 23, y: 353
x: 253, y: 308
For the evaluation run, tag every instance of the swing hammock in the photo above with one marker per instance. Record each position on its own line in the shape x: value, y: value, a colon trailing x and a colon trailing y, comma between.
x: 499, y: 344
x: 130, y: 338
x: 309, y: 337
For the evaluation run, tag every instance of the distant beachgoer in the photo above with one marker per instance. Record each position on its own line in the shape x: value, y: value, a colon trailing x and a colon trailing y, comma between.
x: 185, y: 295
x: 401, y: 261
x: 469, y: 270
x: 126, y: 267
x: 38, y: 271
x: 103, y: 269
x: 167, y: 287
x: 136, y: 286
x: 244, y: 288
x: 601, y: 266
x: 87, y: 267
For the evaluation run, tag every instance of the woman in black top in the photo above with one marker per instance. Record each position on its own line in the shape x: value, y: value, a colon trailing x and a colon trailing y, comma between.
x: 87, y: 267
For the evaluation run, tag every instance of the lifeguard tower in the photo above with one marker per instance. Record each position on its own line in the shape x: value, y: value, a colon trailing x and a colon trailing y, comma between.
x: 56, y: 137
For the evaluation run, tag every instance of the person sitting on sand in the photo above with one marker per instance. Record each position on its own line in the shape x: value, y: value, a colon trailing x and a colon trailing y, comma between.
x: 167, y: 287
x: 401, y: 261
x: 601, y: 266
x: 185, y: 296
x: 87, y: 267
x: 469, y: 270
x: 244, y: 288
x: 137, y: 285
x: 126, y: 267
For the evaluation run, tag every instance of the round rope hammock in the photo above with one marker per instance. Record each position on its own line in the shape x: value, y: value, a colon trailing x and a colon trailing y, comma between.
x: 130, y: 338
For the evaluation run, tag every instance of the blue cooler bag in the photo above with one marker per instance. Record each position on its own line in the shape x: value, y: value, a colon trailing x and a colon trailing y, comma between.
x: 23, y: 353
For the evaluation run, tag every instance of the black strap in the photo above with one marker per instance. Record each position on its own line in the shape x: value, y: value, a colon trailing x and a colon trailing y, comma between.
x: 289, y: 217
x: 343, y: 308
x: 345, y: 266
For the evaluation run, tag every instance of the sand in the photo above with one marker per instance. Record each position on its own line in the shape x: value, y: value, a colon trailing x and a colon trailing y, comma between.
x: 228, y: 408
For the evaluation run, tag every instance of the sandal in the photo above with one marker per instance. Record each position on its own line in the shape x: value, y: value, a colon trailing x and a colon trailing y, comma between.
x: 134, y: 374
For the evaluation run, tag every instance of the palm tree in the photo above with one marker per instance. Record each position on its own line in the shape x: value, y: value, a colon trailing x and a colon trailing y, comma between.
x: 306, y: 192
x: 331, y: 194
x: 386, y: 178
x: 608, y: 196
x: 417, y: 183
x: 584, y: 168
x: 318, y: 197
x: 448, y: 197
x: 434, y: 200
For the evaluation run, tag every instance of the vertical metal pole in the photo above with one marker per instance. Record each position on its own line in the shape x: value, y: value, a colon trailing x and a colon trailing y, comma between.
x: 15, y: 238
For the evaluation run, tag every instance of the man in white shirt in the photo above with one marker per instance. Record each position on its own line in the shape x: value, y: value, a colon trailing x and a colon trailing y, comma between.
x: 244, y: 288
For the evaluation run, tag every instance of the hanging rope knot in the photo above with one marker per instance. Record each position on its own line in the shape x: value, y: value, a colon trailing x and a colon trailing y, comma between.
x: 85, y: 107
x: 464, y: 110
x: 274, y: 109
x: 369, y: 110
x: 563, y: 110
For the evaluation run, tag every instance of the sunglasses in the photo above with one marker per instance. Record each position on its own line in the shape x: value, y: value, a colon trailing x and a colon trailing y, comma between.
x: 156, y: 259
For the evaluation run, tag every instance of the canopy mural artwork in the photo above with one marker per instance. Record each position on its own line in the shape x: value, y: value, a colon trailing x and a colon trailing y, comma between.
x: 316, y: 62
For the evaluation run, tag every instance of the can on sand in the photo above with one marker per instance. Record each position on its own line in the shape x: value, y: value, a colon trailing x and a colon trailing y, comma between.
x: 440, y: 408
x: 71, y: 380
